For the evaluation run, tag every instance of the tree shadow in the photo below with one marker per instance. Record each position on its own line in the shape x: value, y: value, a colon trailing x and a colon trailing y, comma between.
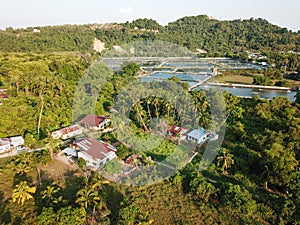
x: 5, y: 215
x: 72, y: 185
x: 17, y: 221
x: 19, y: 178
x: 113, y: 200
x: 45, y: 176
x: 39, y: 202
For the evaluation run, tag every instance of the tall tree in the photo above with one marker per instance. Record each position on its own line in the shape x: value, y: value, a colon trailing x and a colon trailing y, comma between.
x: 225, y: 160
x: 23, y: 192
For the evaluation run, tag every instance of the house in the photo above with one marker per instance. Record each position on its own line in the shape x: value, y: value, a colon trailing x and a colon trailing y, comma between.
x: 70, y: 152
x: 198, y: 135
x: 94, y: 122
x: 36, y: 30
x: 4, y: 144
x: 67, y: 132
x: 16, y: 141
x: 3, y: 94
x: 175, y: 131
x: 10, y: 142
x: 95, y: 153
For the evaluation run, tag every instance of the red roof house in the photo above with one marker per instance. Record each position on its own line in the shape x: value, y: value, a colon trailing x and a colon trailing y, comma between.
x: 95, y: 153
x: 94, y: 122
x: 67, y: 132
x: 174, y: 131
x: 3, y: 96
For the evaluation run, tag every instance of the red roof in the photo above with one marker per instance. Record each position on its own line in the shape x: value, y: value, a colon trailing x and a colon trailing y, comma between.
x: 3, y: 95
x: 96, y: 149
x: 69, y: 129
x: 175, y: 129
x: 92, y: 120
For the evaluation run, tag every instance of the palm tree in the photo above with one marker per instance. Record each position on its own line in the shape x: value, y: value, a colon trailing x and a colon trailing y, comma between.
x: 225, y: 160
x: 97, y: 182
x: 23, y: 192
x: 87, y: 197
x: 168, y: 107
x: 49, y: 195
x: 22, y: 164
x: 148, y: 101
x: 40, y: 114
x: 22, y: 169
x: 140, y: 112
x: 155, y: 101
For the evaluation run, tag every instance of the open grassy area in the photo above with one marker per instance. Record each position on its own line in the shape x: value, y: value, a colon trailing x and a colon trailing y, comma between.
x: 247, y: 79
x: 238, y: 79
x: 57, y: 170
x: 167, y: 204
x: 6, y: 181
x: 293, y: 83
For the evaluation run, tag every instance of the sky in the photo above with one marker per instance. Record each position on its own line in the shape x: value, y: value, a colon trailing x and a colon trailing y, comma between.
x: 31, y: 13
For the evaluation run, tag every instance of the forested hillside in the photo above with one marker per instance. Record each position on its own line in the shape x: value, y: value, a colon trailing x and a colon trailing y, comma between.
x: 197, y: 32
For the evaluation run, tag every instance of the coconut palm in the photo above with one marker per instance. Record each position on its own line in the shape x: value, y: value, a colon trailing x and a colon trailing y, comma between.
x: 225, y: 160
x: 86, y: 198
x: 49, y: 195
x: 22, y: 193
x: 22, y: 164
x: 139, y: 114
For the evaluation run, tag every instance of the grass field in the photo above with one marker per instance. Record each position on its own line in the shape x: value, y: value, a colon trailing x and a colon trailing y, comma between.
x: 57, y: 170
x: 238, y: 79
x: 246, y: 79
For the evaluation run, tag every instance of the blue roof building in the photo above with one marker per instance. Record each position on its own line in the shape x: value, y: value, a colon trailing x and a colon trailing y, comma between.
x: 197, y: 135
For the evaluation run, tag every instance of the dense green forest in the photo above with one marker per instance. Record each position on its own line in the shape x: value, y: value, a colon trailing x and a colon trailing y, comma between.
x: 198, y: 32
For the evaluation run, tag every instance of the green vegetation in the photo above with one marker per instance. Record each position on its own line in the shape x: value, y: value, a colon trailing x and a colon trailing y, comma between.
x: 253, y: 180
x: 195, y: 32
x: 259, y: 80
x: 40, y: 90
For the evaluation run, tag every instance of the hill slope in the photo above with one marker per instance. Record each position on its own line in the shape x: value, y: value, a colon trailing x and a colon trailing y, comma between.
x: 196, y: 32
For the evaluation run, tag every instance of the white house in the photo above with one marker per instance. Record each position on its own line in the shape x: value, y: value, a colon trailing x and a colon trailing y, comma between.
x: 4, y: 144
x: 67, y: 132
x: 198, y: 136
x: 10, y: 142
x: 16, y: 141
x: 94, y: 122
x: 70, y: 152
x: 95, y: 153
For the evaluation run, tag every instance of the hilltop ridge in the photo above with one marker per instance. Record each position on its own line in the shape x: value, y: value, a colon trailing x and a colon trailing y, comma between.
x: 193, y: 32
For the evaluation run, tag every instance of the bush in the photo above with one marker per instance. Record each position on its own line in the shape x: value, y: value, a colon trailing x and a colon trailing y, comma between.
x: 81, y: 163
x: 113, y: 167
x: 260, y: 80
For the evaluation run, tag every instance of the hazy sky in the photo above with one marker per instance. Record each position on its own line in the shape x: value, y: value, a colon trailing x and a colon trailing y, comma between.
x: 24, y: 13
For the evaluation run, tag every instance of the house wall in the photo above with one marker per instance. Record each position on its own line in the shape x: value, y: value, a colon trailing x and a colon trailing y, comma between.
x: 89, y: 160
x: 56, y: 134
x: 4, y: 148
x: 198, y: 141
x: 17, y: 141
x: 96, y: 163
x: 72, y: 134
